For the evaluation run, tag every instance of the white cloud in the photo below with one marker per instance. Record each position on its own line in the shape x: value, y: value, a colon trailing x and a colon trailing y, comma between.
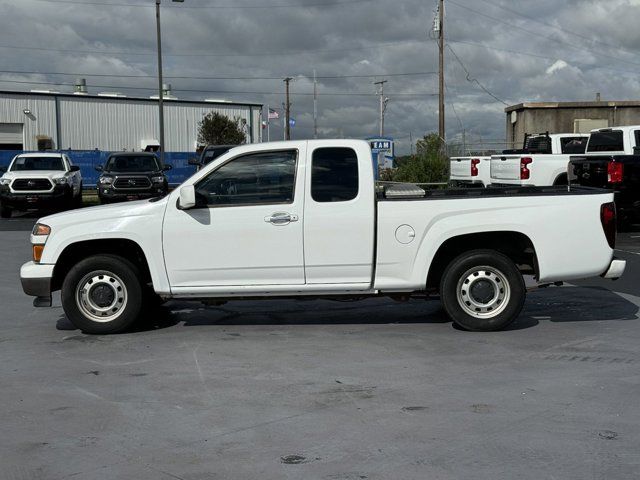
x: 558, y: 65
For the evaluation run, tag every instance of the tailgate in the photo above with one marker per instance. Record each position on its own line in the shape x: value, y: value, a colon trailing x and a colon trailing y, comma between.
x: 461, y: 168
x: 589, y: 171
x: 505, y: 167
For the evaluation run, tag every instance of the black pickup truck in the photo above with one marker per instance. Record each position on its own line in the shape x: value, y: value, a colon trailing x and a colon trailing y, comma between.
x: 209, y: 154
x: 131, y: 176
x: 612, y: 161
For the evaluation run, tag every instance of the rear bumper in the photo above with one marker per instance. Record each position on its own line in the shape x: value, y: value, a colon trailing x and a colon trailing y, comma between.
x: 466, y: 183
x: 616, y: 269
x: 36, y: 282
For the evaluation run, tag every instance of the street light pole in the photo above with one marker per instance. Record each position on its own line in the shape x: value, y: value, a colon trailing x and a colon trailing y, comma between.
x: 160, y: 90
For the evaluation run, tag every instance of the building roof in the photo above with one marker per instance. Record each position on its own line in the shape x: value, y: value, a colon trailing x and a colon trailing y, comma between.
x: 113, y: 98
x: 601, y: 104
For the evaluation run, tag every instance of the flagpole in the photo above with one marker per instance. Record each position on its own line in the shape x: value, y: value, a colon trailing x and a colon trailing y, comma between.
x: 268, y: 122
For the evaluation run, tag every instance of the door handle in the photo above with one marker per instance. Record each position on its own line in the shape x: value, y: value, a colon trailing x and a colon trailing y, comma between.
x: 281, y: 218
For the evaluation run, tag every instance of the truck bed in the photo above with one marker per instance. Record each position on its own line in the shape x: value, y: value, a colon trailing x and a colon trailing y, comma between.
x: 404, y: 192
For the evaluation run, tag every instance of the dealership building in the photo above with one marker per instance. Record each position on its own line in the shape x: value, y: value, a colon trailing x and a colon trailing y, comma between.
x: 109, y: 121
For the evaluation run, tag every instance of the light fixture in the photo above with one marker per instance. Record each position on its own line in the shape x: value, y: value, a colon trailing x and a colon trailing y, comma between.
x: 26, y: 111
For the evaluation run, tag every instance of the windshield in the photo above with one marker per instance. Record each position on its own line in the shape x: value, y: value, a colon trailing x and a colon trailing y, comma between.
x: 132, y: 163
x: 214, y: 153
x: 22, y: 164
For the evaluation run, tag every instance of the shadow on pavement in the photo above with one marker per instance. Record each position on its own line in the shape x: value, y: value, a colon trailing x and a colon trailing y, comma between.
x: 565, y: 304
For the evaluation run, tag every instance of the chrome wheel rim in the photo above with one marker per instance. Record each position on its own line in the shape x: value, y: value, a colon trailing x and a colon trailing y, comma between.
x: 101, y: 296
x: 483, y: 292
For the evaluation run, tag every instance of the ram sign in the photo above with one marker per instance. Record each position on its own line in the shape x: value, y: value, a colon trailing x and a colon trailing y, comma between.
x: 382, y: 152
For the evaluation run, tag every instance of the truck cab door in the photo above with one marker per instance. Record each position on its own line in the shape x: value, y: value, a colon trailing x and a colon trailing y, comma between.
x: 247, y: 227
x: 339, y: 214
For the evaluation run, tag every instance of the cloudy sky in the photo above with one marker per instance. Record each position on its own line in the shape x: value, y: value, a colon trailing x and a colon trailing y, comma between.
x: 500, y: 52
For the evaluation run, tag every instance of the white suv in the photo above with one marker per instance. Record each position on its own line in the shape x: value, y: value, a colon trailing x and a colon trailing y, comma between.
x: 40, y: 181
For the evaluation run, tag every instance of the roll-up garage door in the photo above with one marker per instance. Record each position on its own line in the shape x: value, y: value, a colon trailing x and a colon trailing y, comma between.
x: 11, y: 136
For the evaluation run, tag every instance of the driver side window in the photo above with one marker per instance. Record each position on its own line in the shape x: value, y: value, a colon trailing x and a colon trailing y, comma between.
x: 256, y: 179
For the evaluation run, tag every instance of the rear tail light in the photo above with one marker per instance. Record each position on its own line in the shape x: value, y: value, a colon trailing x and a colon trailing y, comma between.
x: 615, y: 172
x: 474, y: 166
x: 524, y: 169
x: 608, y: 220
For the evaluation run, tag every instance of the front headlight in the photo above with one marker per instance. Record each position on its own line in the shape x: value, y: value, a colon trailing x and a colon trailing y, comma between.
x: 39, y: 236
x: 105, y: 180
x: 60, y: 180
x: 41, y: 229
x: 5, y: 181
x: 158, y: 179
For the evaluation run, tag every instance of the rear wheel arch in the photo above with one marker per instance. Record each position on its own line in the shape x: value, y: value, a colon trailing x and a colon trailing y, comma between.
x: 78, y: 251
x: 515, y: 245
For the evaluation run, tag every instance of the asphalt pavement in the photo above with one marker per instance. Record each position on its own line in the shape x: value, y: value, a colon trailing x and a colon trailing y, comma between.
x: 286, y: 389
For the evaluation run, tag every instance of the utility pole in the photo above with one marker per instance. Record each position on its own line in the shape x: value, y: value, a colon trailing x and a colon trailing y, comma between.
x: 315, y: 105
x: 383, y: 104
x: 411, y: 142
x: 441, y: 129
x: 160, y: 86
x: 287, y: 109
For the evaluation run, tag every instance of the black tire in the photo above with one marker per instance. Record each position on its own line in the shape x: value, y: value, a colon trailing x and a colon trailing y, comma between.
x: 123, y: 305
x: 5, y: 212
x: 482, y: 291
x: 77, y: 203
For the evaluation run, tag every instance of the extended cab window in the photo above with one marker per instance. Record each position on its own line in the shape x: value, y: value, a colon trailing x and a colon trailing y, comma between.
x: 334, y: 175
x: 573, y: 144
x: 258, y: 178
x: 610, y: 141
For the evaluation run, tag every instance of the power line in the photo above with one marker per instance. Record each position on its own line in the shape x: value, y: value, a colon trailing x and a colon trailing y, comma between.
x: 204, y: 54
x: 474, y: 80
x: 324, y: 77
x: 563, y: 30
x: 212, y: 7
x: 125, y: 87
x: 531, y: 32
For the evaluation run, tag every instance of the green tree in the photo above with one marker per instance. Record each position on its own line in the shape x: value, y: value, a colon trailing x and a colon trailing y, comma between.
x: 428, y: 165
x: 218, y: 129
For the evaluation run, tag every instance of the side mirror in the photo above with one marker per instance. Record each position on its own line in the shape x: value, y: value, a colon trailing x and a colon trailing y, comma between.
x: 195, y: 162
x: 99, y: 168
x: 74, y: 168
x: 167, y: 167
x: 187, y: 197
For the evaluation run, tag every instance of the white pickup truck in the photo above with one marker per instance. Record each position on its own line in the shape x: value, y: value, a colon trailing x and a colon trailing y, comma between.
x: 470, y: 171
x: 543, y: 161
x: 306, y: 219
x: 42, y: 180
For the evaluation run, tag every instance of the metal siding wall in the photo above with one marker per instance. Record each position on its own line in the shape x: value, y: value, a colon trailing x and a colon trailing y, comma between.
x: 42, y: 111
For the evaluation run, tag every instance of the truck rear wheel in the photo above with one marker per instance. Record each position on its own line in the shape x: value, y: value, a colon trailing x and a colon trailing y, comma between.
x: 482, y: 291
x: 102, y: 294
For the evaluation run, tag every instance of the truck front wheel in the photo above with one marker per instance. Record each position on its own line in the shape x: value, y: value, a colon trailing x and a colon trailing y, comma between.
x: 102, y: 294
x: 482, y: 291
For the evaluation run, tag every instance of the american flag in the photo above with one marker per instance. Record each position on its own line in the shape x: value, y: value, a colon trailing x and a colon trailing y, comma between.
x: 273, y: 114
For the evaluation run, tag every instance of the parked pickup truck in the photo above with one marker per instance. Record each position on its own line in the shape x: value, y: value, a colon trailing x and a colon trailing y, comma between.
x: 470, y: 171
x: 306, y: 219
x: 39, y: 181
x: 131, y: 176
x: 543, y: 161
x: 612, y: 161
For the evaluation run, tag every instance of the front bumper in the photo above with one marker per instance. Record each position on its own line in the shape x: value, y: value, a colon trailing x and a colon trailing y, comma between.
x: 36, y: 282
x: 109, y: 194
x: 35, y: 200
x: 616, y: 269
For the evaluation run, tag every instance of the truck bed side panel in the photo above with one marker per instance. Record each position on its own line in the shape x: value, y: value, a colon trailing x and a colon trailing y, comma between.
x: 565, y: 230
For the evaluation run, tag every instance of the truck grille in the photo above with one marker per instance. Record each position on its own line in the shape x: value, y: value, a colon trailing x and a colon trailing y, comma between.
x: 131, y: 183
x: 31, y: 184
